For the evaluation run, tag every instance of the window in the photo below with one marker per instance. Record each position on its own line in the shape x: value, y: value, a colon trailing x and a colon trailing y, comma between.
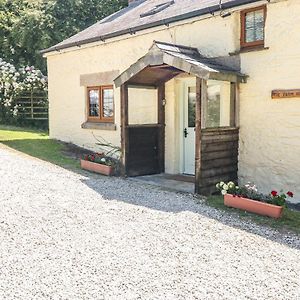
x: 219, y: 107
x: 192, y: 106
x: 253, y: 27
x: 100, y: 104
x: 158, y: 8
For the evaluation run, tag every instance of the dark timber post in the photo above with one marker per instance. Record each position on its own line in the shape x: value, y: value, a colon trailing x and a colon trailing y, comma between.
x: 161, y: 122
x: 233, y: 104
x: 199, y: 97
x: 124, y: 127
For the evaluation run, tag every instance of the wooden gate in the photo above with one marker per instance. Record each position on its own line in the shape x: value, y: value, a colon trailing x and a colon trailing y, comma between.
x: 33, y: 105
x: 143, y: 155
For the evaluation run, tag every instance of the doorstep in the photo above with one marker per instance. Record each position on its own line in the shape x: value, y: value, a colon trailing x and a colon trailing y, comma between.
x: 177, y: 183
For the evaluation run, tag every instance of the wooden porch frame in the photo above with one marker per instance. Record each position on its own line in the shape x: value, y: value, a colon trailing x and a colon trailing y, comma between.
x: 200, y: 93
x: 161, y: 121
x: 184, y: 60
x: 201, y: 97
x: 125, y: 126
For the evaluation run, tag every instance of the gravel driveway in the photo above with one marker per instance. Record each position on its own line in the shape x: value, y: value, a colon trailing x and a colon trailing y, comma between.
x: 71, y: 236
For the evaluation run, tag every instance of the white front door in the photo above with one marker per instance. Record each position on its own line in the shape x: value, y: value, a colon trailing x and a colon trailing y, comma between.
x: 189, y: 129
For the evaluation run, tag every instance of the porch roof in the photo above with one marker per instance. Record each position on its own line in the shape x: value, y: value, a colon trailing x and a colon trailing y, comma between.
x: 165, y: 61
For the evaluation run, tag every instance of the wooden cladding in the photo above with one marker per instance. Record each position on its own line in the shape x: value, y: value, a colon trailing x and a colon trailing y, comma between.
x: 161, y: 122
x: 143, y: 152
x: 124, y: 127
x: 219, y: 158
x: 201, y: 96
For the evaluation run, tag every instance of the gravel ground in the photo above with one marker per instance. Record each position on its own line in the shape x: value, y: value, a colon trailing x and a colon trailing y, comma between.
x: 81, y: 236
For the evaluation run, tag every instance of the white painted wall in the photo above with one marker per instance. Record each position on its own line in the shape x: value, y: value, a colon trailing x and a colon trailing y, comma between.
x: 270, y: 129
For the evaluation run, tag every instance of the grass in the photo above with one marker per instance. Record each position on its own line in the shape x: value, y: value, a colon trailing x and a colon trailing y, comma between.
x: 37, y: 144
x: 290, y: 220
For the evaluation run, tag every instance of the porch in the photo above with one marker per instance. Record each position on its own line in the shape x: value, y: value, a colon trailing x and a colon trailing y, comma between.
x: 207, y: 145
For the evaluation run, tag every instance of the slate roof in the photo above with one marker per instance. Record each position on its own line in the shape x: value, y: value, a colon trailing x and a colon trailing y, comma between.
x: 193, y: 57
x: 186, y: 59
x: 129, y: 20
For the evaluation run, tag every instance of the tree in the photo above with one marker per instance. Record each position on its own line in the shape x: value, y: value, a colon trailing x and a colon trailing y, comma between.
x: 28, y: 26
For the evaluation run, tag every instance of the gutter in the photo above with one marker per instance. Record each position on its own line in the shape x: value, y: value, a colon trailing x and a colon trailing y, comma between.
x: 197, y: 13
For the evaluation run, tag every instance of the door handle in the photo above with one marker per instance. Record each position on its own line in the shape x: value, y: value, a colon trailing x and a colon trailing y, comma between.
x: 185, y: 133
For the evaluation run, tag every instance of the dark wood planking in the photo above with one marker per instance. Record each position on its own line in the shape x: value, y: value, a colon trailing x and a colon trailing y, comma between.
x: 219, y: 146
x: 161, y: 122
x: 219, y: 154
x: 219, y: 160
x: 220, y: 130
x: 124, y: 125
x: 220, y: 138
x: 143, y: 153
x: 154, y: 75
x: 211, y: 172
x: 233, y: 108
x: 231, y: 176
x: 219, y: 163
x: 198, y: 146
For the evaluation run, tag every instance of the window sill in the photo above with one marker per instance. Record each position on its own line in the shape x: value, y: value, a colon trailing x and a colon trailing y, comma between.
x: 249, y: 49
x: 99, y: 126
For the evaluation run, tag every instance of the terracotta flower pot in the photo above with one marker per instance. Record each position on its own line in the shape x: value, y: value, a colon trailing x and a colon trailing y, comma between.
x: 257, y: 207
x: 97, y: 168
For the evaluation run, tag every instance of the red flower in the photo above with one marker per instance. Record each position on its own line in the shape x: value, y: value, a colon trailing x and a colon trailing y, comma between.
x: 274, y: 193
x: 290, y: 194
x: 92, y: 158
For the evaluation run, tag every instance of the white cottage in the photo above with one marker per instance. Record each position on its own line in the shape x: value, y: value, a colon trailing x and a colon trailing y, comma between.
x: 204, y: 88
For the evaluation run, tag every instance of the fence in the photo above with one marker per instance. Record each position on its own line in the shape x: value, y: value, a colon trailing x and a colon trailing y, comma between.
x: 33, y: 105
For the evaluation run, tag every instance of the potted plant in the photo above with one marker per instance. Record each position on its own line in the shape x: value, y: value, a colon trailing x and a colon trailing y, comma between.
x: 248, y: 198
x: 98, y: 163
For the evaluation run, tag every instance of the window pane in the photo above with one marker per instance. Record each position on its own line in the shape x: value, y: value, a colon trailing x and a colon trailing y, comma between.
x: 218, y: 104
x: 254, y: 26
x: 108, y: 103
x: 213, y: 105
x: 192, y: 106
x: 94, y: 103
x: 142, y: 106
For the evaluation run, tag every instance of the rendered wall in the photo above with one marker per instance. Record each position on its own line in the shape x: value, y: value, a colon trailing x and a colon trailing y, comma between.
x: 67, y: 97
x: 269, y: 129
